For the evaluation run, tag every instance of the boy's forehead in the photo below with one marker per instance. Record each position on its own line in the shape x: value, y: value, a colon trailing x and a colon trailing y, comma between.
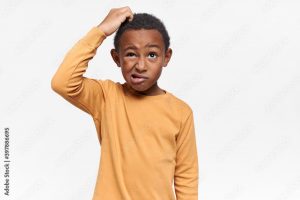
x: 141, y: 38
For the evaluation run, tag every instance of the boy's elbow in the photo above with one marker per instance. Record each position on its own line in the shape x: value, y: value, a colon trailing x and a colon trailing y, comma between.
x: 57, y: 85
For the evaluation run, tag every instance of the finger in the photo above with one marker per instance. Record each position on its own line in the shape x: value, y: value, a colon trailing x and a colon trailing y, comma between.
x: 127, y: 12
x: 130, y: 18
x: 129, y: 15
x: 125, y: 8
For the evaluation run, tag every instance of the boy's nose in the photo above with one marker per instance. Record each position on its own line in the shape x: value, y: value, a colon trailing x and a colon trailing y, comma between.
x: 140, y: 65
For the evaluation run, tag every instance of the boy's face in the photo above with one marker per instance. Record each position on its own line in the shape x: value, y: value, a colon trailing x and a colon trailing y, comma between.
x: 141, y: 53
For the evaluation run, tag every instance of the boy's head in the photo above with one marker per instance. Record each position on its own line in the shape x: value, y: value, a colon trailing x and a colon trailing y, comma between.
x: 141, y: 50
x: 142, y: 21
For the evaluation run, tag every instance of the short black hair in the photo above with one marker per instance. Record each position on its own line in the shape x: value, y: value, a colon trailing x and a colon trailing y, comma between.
x: 142, y: 21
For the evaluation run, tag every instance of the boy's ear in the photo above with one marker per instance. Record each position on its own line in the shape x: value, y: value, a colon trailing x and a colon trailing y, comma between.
x: 115, y: 56
x: 168, y: 56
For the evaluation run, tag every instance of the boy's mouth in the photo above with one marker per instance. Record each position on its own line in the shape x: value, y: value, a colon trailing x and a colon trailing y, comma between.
x: 135, y: 75
x: 137, y: 78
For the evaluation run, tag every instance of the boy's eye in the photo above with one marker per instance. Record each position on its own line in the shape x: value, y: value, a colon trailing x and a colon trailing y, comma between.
x: 152, y: 55
x: 130, y: 54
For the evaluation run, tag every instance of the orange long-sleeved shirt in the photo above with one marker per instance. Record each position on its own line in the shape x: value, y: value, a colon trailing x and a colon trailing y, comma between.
x: 147, y: 142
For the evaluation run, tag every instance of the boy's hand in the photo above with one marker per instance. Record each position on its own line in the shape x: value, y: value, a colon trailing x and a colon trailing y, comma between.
x: 114, y: 19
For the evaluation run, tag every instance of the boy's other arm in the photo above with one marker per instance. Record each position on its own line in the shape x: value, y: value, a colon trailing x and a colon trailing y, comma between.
x: 186, y: 169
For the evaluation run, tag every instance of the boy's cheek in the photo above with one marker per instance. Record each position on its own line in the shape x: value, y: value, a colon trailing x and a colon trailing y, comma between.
x: 127, y: 61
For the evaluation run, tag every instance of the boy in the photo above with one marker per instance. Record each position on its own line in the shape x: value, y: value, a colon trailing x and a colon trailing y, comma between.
x: 146, y: 134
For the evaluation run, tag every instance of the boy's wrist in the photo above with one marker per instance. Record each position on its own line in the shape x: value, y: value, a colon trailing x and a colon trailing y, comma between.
x: 100, y: 28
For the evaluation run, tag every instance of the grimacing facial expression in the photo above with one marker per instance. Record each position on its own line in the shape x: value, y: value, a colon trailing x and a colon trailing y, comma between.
x: 141, y: 57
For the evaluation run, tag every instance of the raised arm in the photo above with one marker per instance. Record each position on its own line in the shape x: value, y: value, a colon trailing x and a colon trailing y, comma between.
x: 69, y: 82
x: 186, y: 170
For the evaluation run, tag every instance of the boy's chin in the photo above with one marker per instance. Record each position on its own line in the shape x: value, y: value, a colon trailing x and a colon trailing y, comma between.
x: 138, y: 87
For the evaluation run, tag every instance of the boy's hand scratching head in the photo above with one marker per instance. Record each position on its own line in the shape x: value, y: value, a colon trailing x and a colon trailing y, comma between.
x: 114, y: 19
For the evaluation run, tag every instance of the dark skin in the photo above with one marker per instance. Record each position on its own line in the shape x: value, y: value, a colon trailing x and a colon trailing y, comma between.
x: 142, y: 52
x: 140, y: 59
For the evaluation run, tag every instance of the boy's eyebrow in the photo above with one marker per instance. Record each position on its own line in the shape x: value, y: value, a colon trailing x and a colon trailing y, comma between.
x: 153, y: 45
x: 131, y: 46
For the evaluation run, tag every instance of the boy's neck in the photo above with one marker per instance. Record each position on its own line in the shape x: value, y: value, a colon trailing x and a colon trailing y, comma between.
x: 151, y: 92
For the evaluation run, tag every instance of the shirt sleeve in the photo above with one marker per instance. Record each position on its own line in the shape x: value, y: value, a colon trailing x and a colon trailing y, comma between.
x: 85, y: 93
x: 186, y: 169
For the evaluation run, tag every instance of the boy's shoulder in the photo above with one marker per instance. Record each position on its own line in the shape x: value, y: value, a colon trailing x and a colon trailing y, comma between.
x: 181, y: 104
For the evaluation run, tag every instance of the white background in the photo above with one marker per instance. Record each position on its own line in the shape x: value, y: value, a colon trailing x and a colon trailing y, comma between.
x: 236, y: 63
